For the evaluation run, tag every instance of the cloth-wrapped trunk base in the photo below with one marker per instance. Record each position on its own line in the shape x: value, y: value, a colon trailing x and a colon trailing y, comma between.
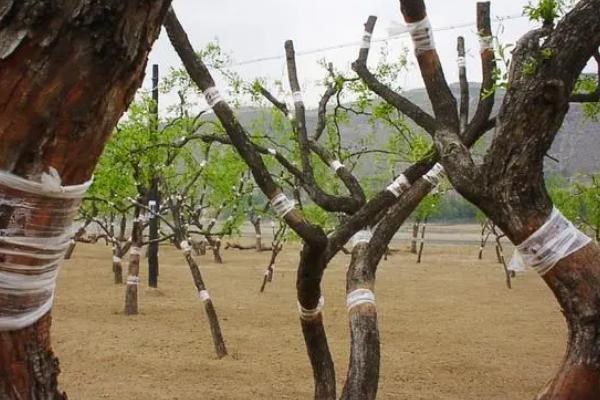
x: 36, y: 226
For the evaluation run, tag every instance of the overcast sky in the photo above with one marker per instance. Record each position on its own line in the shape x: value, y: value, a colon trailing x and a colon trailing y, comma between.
x: 250, y: 30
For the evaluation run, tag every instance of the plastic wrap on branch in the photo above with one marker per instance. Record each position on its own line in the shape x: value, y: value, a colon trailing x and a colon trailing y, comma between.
x: 435, y: 174
x: 486, y: 43
x: 553, y: 241
x: 399, y: 186
x: 38, y: 227
x: 309, y: 315
x: 358, y: 297
x: 282, y: 205
x: 366, y: 40
x: 336, y: 164
x: 422, y: 35
x: 213, y: 97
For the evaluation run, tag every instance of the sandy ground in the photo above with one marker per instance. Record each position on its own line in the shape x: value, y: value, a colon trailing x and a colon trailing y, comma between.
x: 449, y: 329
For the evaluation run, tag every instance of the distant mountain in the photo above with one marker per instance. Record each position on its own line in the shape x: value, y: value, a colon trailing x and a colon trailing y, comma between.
x: 576, y: 147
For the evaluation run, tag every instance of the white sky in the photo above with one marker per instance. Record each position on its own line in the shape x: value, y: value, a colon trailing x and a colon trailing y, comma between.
x: 254, y: 29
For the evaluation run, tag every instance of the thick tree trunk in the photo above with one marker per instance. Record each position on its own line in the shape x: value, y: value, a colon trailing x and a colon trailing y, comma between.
x: 67, y: 74
x: 308, y: 281
x: 363, y: 372
x: 575, y: 281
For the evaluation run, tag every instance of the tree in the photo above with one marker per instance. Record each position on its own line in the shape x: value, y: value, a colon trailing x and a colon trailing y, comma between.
x: 67, y: 74
x: 508, y: 186
x: 385, y: 211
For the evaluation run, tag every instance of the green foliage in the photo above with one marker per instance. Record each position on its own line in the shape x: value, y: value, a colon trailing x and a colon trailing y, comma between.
x: 589, y: 84
x: 545, y: 11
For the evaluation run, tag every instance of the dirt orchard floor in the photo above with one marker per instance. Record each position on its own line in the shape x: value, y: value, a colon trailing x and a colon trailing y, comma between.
x: 449, y: 329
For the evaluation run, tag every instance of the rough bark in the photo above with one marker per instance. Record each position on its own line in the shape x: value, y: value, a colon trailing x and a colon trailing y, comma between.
x: 509, y: 185
x: 67, y: 74
x: 363, y: 371
x: 209, y: 308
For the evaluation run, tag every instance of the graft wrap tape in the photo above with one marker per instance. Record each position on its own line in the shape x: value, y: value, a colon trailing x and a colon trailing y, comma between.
x: 297, y: 97
x: 462, y: 62
x: 133, y: 280
x: 486, y: 43
x: 185, y: 247
x: 554, y: 240
x: 366, y: 41
x: 213, y: 97
x: 422, y: 35
x: 272, y: 152
x: 363, y: 236
x: 336, y: 164
x: 307, y: 314
x: 203, y: 294
x: 37, y: 228
x: 135, y: 251
x: 399, y: 186
x: 116, y: 259
x: 282, y: 205
x: 358, y: 297
x: 435, y: 174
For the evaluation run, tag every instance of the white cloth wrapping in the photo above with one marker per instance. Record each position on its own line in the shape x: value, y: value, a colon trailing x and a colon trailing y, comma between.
x: 212, y: 96
x: 399, y: 185
x: 422, y: 35
x: 309, y: 315
x: 31, y: 249
x: 358, y: 297
x: 282, y: 205
x: 554, y: 240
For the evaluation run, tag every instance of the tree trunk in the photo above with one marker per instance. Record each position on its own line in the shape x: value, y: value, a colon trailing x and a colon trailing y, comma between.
x: 258, y: 234
x: 415, y: 235
x: 422, y: 244
x: 216, y: 249
x: 575, y: 281
x: 70, y: 249
x: 67, y: 74
x: 213, y: 320
x: 133, y: 279
x: 152, y: 250
x: 363, y: 372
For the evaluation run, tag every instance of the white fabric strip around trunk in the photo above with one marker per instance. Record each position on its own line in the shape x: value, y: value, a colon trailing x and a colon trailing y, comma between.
x: 204, y: 295
x: 309, y: 315
x: 297, y: 96
x: 399, y: 186
x: 212, y: 96
x: 486, y: 43
x: 30, y: 250
x: 435, y: 174
x: 554, y: 240
x: 133, y: 280
x: 366, y: 40
x: 422, y: 35
x: 282, y: 205
x: 358, y: 297
x: 336, y: 164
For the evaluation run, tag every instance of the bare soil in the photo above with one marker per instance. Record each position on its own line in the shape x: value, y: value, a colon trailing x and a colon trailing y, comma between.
x: 449, y: 328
